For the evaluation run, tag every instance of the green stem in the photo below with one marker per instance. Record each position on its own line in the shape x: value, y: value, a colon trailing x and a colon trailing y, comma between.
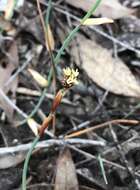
x: 102, y: 168
x: 26, y: 163
x: 48, y: 13
x: 74, y: 31
x: 91, y: 11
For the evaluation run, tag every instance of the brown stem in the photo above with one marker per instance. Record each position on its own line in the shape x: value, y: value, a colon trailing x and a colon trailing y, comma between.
x: 55, y: 104
x: 102, y: 125
x: 45, y: 124
x: 57, y: 100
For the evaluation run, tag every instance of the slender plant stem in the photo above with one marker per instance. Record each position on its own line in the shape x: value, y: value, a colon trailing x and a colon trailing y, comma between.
x: 102, y: 168
x: 102, y: 125
x: 56, y: 60
x: 91, y: 11
x: 58, y: 56
x: 26, y: 163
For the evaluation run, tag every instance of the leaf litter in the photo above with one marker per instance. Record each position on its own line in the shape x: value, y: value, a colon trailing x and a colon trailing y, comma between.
x: 104, y: 72
x: 7, y: 66
x: 107, y: 72
x: 66, y: 178
x: 111, y: 10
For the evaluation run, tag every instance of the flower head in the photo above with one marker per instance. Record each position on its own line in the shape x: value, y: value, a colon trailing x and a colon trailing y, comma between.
x: 70, y: 77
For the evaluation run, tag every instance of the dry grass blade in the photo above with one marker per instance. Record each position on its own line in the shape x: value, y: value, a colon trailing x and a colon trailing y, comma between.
x: 33, y: 126
x: 39, y: 78
x: 97, y: 21
x: 66, y: 178
x: 49, y: 39
x: 107, y: 72
x: 50, y: 45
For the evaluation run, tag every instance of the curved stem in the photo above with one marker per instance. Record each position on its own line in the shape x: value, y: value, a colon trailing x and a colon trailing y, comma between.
x: 26, y: 163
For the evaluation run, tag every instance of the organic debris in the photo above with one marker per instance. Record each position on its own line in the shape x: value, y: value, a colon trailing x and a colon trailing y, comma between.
x: 8, y: 65
x: 66, y: 178
x: 108, y: 72
x: 70, y: 84
x: 112, y: 10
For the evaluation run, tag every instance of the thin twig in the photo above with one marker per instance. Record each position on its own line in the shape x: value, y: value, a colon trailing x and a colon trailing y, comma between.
x: 102, y: 125
x: 30, y: 92
x: 123, y: 159
x: 100, y: 103
x: 107, y: 162
x: 20, y: 69
x: 11, y: 104
x: 49, y: 143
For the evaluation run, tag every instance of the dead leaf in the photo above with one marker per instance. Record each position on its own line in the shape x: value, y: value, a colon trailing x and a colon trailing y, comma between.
x: 7, y: 66
x: 111, y: 9
x: 66, y: 178
x: 11, y: 160
x: 109, y: 73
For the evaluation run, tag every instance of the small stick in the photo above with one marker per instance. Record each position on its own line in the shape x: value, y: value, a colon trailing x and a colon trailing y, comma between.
x: 102, y: 125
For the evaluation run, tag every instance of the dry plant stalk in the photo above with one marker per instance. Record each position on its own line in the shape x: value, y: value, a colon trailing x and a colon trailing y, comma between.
x: 102, y: 125
x: 70, y: 79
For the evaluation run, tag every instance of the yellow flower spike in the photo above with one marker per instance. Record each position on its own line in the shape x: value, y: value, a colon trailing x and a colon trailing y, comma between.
x: 70, y: 80
x: 70, y: 77
x: 67, y: 71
